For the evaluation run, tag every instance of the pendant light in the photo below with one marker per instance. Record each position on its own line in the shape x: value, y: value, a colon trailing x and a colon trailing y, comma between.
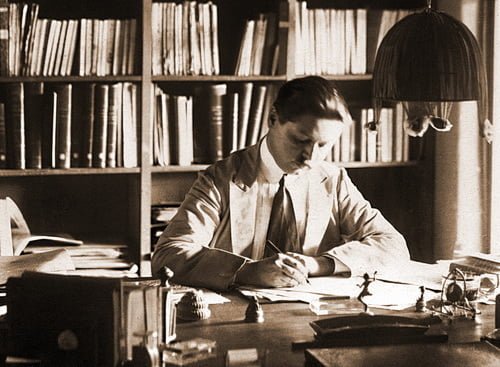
x: 427, y: 61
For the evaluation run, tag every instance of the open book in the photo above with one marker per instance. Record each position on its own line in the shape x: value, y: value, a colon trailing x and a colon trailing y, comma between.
x: 15, y: 234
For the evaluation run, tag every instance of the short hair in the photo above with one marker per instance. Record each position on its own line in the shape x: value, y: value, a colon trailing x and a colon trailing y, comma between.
x: 311, y: 95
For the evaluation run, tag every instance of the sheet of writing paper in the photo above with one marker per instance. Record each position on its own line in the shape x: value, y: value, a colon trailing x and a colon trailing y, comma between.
x: 417, y: 273
x: 387, y: 295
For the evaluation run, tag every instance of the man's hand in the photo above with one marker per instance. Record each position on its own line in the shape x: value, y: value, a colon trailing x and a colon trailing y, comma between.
x: 316, y: 265
x: 280, y: 270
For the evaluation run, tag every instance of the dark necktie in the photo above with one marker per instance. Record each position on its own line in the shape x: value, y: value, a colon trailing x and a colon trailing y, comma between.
x: 282, y: 230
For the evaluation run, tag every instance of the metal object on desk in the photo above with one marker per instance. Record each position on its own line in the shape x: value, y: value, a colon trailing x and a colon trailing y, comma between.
x: 168, y: 305
x: 456, y: 296
x: 254, y: 312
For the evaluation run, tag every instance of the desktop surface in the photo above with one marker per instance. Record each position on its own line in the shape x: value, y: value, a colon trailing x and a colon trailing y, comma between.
x: 288, y: 322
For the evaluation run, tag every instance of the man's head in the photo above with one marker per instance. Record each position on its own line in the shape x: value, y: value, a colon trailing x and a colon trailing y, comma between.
x: 308, y: 117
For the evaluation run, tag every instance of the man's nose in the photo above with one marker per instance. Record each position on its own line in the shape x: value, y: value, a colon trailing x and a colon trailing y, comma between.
x: 311, y: 151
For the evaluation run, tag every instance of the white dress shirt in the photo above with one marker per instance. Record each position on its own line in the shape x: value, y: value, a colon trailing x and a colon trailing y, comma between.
x: 268, y: 179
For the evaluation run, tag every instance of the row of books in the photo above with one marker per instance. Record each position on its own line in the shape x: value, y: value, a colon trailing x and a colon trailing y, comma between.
x: 258, y: 54
x: 65, y: 125
x: 340, y: 41
x: 388, y: 143
x: 185, y: 38
x: 33, y: 46
x: 207, y: 126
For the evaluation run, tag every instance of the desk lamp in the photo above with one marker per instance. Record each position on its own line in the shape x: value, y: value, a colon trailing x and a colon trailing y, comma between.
x: 427, y: 61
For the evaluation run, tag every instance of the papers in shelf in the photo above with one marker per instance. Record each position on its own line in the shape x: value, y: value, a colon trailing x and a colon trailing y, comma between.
x: 52, y: 261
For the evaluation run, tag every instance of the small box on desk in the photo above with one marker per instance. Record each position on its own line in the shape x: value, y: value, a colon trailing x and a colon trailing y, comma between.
x: 86, y: 321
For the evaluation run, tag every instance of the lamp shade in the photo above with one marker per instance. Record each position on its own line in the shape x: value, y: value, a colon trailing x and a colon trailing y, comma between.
x: 430, y: 57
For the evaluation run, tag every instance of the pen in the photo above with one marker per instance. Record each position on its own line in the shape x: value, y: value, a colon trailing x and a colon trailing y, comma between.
x: 271, y: 246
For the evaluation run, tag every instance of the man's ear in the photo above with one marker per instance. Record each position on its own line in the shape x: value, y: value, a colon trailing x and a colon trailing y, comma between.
x: 273, y: 117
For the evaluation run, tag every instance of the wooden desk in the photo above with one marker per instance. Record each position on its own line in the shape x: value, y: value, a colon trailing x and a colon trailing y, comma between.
x: 288, y: 322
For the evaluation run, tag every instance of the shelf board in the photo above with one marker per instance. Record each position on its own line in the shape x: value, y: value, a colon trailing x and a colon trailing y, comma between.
x: 70, y: 79
x: 251, y: 78
x: 200, y: 167
x: 377, y: 164
x: 217, y: 78
x: 68, y: 171
x: 168, y: 169
x: 345, y: 77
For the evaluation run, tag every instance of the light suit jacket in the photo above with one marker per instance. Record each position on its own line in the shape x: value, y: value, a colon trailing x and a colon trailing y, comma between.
x: 211, y: 235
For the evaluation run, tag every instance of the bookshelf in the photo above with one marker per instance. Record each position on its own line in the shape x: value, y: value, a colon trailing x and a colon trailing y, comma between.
x: 114, y: 203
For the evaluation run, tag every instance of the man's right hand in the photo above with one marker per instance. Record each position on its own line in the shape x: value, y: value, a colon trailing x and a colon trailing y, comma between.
x: 280, y: 270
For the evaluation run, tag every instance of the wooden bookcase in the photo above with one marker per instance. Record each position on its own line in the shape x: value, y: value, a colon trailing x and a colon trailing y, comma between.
x: 115, y: 203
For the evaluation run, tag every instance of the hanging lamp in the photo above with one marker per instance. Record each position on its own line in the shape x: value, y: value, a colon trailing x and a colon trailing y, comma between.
x: 427, y: 61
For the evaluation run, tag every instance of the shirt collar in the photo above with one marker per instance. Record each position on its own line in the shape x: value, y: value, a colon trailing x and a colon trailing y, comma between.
x: 268, y: 166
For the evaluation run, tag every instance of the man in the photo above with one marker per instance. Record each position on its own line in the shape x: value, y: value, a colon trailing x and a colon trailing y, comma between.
x: 218, y: 237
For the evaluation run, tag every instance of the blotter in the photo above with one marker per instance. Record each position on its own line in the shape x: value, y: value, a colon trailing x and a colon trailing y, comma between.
x: 445, y: 355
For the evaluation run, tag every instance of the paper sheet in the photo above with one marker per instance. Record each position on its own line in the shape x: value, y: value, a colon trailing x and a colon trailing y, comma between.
x: 393, y: 294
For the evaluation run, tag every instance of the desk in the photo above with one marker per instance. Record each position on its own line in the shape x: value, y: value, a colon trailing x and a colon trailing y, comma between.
x: 288, y: 322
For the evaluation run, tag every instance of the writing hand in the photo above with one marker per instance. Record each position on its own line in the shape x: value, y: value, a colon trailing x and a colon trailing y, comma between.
x: 279, y: 270
x: 315, y: 265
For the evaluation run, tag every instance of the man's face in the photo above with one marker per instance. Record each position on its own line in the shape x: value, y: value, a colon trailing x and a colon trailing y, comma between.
x: 297, y: 145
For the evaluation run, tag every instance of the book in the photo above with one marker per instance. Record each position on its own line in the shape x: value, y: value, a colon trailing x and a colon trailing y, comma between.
x: 269, y: 44
x: 55, y: 67
x: 214, y: 39
x: 32, y: 106
x: 101, y: 105
x: 15, y: 125
x: 195, y: 65
x: 230, y: 124
x: 49, y: 119
x: 63, y: 125
x: 4, y: 38
x: 256, y: 111
x: 245, y: 102
x: 3, y: 138
x: 131, y: 55
x: 80, y: 126
x: 129, y: 125
x: 258, y: 45
x: 216, y: 116
x: 114, y: 121
x: 243, y: 63
x: 283, y: 27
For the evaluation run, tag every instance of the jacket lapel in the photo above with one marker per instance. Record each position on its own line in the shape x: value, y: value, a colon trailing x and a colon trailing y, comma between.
x: 243, y: 190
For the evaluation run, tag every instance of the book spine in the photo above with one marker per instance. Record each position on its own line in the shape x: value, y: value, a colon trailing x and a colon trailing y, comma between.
x: 87, y: 125
x: 15, y: 123
x: 283, y: 28
x: 3, y: 138
x: 4, y: 39
x: 115, y: 99
x: 244, y: 113
x: 101, y: 105
x: 129, y: 125
x: 230, y: 139
x: 256, y: 114
x: 49, y: 129
x: 63, y: 126
x: 32, y: 108
x: 216, y: 117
